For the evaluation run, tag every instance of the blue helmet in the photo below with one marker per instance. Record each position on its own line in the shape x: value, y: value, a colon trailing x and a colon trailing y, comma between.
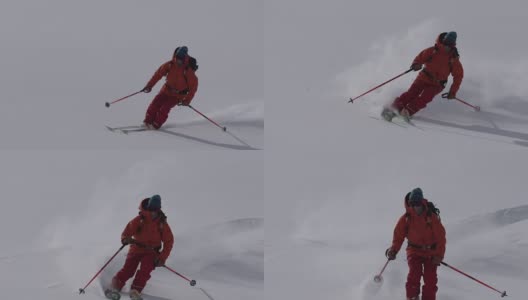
x: 416, y: 196
x: 450, y: 38
x: 154, y: 203
x: 181, y: 52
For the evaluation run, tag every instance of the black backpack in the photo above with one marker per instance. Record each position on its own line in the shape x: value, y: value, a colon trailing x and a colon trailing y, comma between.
x: 432, y: 209
x: 192, y: 63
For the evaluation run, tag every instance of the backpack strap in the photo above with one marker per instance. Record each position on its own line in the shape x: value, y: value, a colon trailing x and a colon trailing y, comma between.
x: 428, y: 220
x: 163, y: 220
x: 454, y: 55
x: 161, y: 225
x: 190, y: 64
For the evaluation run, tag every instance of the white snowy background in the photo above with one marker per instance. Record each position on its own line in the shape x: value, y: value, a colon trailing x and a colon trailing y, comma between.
x: 336, y: 177
x: 70, y: 186
x: 62, y: 60
x: 64, y: 212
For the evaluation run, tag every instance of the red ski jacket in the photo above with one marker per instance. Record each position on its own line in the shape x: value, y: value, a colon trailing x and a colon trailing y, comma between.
x: 150, y: 234
x: 179, y: 78
x: 439, y: 64
x: 425, y: 234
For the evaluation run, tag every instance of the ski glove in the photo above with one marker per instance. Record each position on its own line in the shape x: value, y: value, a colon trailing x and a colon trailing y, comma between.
x: 436, y: 260
x: 127, y: 240
x: 450, y: 96
x: 390, y: 254
x: 158, y: 262
x: 416, y: 67
x: 146, y: 89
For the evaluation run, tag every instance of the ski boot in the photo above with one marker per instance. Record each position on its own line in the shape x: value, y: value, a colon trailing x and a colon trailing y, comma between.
x: 388, y: 114
x: 112, y: 294
x: 135, y: 295
x: 147, y: 126
x: 404, y: 113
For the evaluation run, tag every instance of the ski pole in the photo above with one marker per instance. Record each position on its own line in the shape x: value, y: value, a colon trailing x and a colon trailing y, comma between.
x: 223, y: 128
x: 378, y: 277
x: 476, y: 108
x: 81, y: 291
x: 107, y: 104
x: 191, y: 282
x: 503, y: 294
x: 374, y: 88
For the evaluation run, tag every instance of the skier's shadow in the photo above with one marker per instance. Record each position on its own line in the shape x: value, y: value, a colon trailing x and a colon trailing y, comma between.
x: 204, y: 141
x: 522, y: 138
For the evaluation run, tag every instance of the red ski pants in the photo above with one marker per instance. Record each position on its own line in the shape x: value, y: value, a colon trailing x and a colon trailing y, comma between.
x: 418, y: 267
x: 419, y: 94
x: 159, y: 108
x: 131, y: 264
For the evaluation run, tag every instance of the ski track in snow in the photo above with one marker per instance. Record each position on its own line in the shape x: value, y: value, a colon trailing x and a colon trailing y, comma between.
x: 225, y: 254
x: 76, y: 234
x: 244, y: 129
x: 486, y: 262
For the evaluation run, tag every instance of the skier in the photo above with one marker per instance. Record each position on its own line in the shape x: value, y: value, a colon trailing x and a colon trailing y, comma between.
x: 179, y: 88
x: 426, y: 242
x: 440, y: 61
x: 150, y: 238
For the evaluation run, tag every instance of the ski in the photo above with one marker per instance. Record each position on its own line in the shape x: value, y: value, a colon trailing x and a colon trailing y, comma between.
x: 119, y: 128
x: 115, y: 295
x: 126, y: 131
x: 408, y: 121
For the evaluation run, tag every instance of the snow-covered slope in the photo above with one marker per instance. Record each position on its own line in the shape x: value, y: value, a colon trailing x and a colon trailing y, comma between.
x: 339, y: 175
x: 70, y: 185
x: 244, y: 125
x: 65, y: 210
x: 62, y: 61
